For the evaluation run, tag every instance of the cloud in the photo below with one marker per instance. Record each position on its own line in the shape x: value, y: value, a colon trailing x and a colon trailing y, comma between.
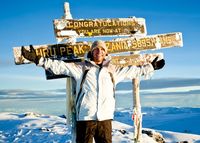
x: 161, y: 83
x: 30, y: 94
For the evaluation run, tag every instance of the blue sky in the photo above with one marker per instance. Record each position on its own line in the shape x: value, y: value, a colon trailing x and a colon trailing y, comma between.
x: 25, y: 22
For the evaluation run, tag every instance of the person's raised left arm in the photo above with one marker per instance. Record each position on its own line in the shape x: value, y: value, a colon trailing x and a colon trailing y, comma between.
x: 131, y: 72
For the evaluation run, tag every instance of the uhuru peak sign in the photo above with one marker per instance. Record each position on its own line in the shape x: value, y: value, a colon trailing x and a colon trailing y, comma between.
x: 73, y: 52
x: 78, y: 49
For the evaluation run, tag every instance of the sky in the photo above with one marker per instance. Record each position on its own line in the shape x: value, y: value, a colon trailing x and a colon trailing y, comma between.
x: 25, y: 22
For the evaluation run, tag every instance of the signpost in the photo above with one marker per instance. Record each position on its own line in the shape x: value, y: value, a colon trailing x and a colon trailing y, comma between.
x: 68, y: 28
x: 119, y: 45
x: 65, y: 28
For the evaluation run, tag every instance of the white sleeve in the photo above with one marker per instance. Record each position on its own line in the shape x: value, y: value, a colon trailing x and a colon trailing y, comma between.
x: 131, y: 72
x: 60, y: 67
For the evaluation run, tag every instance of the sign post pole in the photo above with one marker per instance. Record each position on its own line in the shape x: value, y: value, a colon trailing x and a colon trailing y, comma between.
x: 137, y: 115
x: 68, y: 99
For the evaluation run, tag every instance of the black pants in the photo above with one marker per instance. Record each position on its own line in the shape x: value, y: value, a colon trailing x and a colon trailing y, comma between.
x: 101, y: 131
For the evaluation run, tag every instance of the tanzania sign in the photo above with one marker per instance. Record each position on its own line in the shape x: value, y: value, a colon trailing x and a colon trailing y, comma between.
x: 121, y: 61
x: 67, y: 51
x: 64, y: 28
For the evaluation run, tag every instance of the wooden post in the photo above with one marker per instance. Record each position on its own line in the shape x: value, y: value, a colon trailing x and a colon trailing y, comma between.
x: 70, y: 113
x: 67, y: 13
x: 137, y: 115
x: 68, y: 100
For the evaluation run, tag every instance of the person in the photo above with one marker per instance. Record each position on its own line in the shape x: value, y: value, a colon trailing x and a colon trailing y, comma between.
x: 95, y: 101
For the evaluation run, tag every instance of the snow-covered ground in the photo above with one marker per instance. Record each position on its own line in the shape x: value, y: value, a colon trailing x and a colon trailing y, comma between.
x: 170, y: 107
x: 34, y: 127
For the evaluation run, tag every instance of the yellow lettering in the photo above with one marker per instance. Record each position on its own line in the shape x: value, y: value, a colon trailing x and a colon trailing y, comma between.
x: 97, y: 31
x: 148, y: 42
x: 124, y: 23
x: 91, y: 24
x: 118, y: 45
x: 121, y: 46
x: 172, y: 38
x: 76, y: 51
x: 107, y: 31
x: 125, y: 46
x: 39, y: 52
x: 168, y: 39
x: 113, y: 47
x: 62, y: 50
x: 85, y: 24
x: 70, y: 24
x: 117, y: 23
x: 69, y: 51
x: 134, y: 44
x: 52, y: 52
x: 114, y: 23
x: 80, y: 31
x: 143, y: 42
x: 80, y: 48
x: 96, y: 24
x: 117, y: 30
x: 109, y: 23
x: 45, y: 52
x: 108, y: 45
x: 76, y: 25
x: 153, y: 41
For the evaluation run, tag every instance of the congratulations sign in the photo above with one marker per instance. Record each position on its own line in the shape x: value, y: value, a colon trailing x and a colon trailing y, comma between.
x: 64, y: 28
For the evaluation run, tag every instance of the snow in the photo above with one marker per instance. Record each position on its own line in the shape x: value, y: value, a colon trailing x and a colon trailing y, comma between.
x: 34, y: 127
x: 38, y: 116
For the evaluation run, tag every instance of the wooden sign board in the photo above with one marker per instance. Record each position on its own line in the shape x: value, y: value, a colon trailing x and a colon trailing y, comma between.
x: 66, y: 51
x: 134, y: 59
x: 121, y: 61
x: 65, y: 28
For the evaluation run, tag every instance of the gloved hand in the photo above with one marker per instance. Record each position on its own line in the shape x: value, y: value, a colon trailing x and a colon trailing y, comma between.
x: 30, y: 55
x: 158, y: 64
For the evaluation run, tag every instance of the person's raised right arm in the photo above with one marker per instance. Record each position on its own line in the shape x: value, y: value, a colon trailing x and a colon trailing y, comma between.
x: 56, y: 66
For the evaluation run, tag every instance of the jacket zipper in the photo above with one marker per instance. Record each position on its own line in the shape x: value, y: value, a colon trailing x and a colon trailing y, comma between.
x: 98, y: 90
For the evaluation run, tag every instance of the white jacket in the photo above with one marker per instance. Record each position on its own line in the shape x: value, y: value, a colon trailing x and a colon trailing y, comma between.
x: 96, y: 101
